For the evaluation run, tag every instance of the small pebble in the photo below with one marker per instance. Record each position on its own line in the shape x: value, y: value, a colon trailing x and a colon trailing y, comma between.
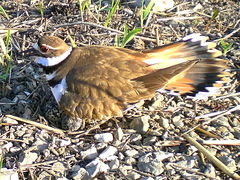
x: 104, y: 137
x: 132, y: 153
x: 141, y: 124
x: 90, y: 153
x: 148, y: 141
x: 229, y: 162
x: 79, y: 173
x: 28, y: 158
x: 135, y: 137
x: 10, y: 121
x: 114, y: 164
x: 96, y: 166
x: 108, y: 153
x: 64, y: 142
x: 8, y: 174
x: 164, y: 122
x: 7, y: 146
x: 15, y: 149
x: 177, y: 121
x: 119, y: 134
x: 133, y: 175
x: 58, y: 167
x: 130, y: 160
x: 210, y: 170
x: 150, y: 164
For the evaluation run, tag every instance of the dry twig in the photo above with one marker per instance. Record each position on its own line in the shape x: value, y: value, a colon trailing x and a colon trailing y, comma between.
x: 54, y: 130
x: 212, y: 158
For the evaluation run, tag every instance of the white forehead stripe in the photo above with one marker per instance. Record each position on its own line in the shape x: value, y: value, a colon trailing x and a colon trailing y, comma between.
x: 59, y: 89
x: 53, y: 60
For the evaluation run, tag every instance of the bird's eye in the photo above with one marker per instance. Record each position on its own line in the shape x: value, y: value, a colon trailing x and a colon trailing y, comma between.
x: 44, y: 49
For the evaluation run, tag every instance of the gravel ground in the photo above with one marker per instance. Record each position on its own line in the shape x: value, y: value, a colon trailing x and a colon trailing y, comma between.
x: 150, y: 142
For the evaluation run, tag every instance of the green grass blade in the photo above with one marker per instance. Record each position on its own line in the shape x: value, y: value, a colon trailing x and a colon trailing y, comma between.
x: 8, y: 39
x: 5, y: 57
x: 125, y: 31
x: 1, y: 161
x: 72, y: 41
x: 226, y: 46
x: 41, y: 7
x: 117, y: 41
x: 80, y: 8
x: 148, y: 9
x: 130, y: 36
x: 113, y: 10
x: 3, y: 12
x: 215, y: 14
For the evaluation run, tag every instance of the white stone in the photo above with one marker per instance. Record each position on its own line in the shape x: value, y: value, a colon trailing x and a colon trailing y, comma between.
x: 28, y: 158
x: 11, y: 121
x: 132, y: 153
x: 133, y: 175
x: 64, y: 142
x: 114, y: 164
x: 59, y: 167
x: 104, y: 137
x: 81, y: 173
x: 8, y: 174
x: 141, y: 124
x: 7, y: 146
x: 15, y: 149
x: 163, y: 5
x: 119, y: 134
x: 107, y: 153
x: 96, y: 166
x: 90, y: 153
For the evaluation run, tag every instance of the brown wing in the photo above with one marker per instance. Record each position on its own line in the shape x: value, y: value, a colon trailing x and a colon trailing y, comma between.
x: 99, y: 90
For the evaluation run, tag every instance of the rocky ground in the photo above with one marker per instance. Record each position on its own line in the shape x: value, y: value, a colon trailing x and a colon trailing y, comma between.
x: 152, y: 141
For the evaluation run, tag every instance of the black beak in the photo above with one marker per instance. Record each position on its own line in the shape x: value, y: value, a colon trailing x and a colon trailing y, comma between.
x: 30, y: 52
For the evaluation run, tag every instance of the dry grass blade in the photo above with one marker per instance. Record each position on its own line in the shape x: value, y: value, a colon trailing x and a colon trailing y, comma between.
x: 229, y: 35
x: 218, y: 114
x: 229, y: 95
x: 178, y: 18
x: 212, y: 158
x: 170, y: 143
x: 102, y: 27
x: 54, y: 130
x: 206, y: 132
x: 13, y: 140
x: 37, y: 164
x: 234, y: 142
x: 213, y: 116
x: 3, y: 31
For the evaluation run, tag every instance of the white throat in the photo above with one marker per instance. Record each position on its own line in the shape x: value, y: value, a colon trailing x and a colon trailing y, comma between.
x: 53, y: 60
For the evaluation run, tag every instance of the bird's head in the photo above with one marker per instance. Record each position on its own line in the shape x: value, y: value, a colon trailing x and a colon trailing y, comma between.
x: 50, y: 51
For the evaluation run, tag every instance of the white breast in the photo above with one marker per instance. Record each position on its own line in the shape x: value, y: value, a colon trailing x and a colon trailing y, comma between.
x: 59, y: 89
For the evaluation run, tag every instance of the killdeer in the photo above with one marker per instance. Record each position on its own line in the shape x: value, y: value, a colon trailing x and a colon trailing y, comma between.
x: 100, y: 82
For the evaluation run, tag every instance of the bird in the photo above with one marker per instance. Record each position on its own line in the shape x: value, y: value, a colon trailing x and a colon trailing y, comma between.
x: 95, y: 83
